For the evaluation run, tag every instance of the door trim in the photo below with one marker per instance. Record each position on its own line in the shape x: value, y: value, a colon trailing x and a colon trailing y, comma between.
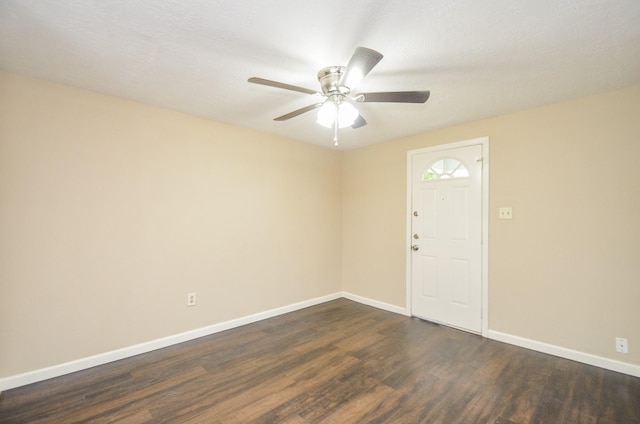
x: 484, y: 142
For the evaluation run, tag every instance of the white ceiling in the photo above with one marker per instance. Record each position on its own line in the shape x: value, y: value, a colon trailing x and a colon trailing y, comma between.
x: 478, y: 58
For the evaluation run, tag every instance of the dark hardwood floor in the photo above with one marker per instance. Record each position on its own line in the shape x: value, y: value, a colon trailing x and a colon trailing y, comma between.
x: 339, y: 362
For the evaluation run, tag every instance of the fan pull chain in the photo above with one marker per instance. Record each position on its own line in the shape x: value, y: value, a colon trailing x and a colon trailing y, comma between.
x: 336, y: 126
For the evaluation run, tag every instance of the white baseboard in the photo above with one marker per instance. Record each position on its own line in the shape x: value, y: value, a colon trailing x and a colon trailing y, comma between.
x: 115, y: 355
x: 574, y: 355
x: 376, y: 304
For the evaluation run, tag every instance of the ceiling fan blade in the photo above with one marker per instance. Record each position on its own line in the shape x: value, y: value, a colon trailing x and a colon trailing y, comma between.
x: 298, y: 112
x: 394, y: 97
x: 360, y: 64
x: 277, y: 84
x: 359, y: 122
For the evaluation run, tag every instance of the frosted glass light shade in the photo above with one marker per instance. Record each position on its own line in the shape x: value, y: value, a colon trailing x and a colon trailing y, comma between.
x: 346, y: 111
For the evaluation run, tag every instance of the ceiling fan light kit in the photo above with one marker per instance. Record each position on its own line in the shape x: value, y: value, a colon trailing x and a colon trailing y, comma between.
x: 337, y: 82
x: 343, y: 113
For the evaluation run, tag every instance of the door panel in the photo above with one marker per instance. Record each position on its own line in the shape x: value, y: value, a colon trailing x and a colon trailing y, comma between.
x: 430, y: 273
x: 446, y: 270
x: 460, y: 218
x: 428, y: 205
x: 460, y: 281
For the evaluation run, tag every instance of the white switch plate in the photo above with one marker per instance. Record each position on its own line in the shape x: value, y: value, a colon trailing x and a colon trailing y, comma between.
x: 505, y: 213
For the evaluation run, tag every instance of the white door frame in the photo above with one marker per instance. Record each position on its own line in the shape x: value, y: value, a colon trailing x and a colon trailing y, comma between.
x: 484, y: 142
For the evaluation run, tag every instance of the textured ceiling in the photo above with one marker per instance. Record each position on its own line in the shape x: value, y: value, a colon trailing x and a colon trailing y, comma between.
x: 478, y: 58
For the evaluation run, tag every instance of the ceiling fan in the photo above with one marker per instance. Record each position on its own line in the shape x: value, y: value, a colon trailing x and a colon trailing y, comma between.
x: 337, y: 108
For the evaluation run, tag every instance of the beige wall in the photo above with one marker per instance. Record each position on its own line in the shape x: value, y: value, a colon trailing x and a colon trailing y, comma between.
x: 111, y: 211
x: 566, y: 269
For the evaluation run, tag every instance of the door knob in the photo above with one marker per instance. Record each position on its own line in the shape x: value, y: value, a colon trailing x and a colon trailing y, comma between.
x: 415, y: 247
x: 415, y: 236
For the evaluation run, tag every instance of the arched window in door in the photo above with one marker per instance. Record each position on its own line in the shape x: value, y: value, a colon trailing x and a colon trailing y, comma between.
x: 446, y: 168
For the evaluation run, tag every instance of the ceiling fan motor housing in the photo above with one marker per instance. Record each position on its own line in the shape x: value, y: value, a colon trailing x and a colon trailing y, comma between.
x: 329, y: 79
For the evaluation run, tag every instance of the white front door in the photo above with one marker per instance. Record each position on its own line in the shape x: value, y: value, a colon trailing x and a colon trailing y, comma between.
x: 446, y: 236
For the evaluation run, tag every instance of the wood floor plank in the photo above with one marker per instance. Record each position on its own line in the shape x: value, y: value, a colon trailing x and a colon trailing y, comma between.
x: 339, y: 362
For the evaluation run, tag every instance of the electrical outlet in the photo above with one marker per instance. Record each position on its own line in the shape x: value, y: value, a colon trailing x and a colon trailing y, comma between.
x: 622, y: 345
x: 505, y: 213
x: 191, y: 299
